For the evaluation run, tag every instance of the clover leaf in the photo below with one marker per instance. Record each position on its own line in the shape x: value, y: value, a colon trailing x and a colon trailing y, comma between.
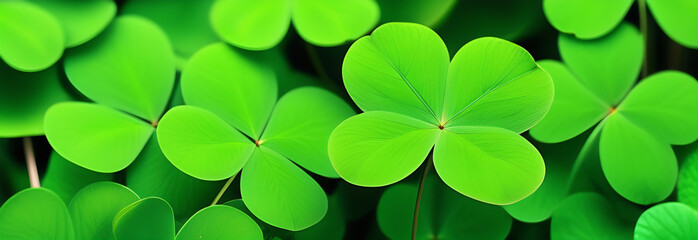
x: 687, y: 186
x: 671, y: 220
x: 592, y: 19
x: 233, y: 120
x: 637, y: 126
x: 80, y: 20
x: 260, y: 25
x: 35, y: 213
x: 31, y: 39
x: 129, y: 72
x: 24, y: 97
x: 588, y: 216
x: 65, y: 178
x: 443, y: 214
x: 148, y: 218
x: 220, y: 222
x: 94, y: 207
x: 470, y: 111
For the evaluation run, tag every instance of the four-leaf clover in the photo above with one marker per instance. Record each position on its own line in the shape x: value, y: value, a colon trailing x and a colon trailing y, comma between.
x: 233, y: 119
x: 592, y: 19
x: 470, y: 111
x: 261, y: 24
x: 636, y: 127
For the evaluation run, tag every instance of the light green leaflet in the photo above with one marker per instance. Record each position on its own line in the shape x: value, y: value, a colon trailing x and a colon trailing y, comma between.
x: 220, y: 222
x: 671, y: 220
x: 470, y: 111
x: 262, y: 24
x: 31, y: 39
x: 588, y: 216
x: 80, y: 20
x: 443, y: 214
x: 94, y: 207
x: 640, y: 124
x: 35, y: 213
x: 134, y: 63
x: 24, y: 98
x: 589, y: 19
x: 148, y: 218
x: 233, y: 120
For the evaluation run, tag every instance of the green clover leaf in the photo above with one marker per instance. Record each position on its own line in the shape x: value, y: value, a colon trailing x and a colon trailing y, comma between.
x: 65, y: 178
x: 134, y: 65
x: 260, y: 25
x: 671, y: 220
x: 472, y: 110
x: 94, y: 207
x: 24, y: 98
x: 35, y: 213
x: 233, y: 121
x: 588, y: 216
x: 220, y: 222
x: 80, y: 20
x: 148, y: 218
x: 589, y: 19
x: 31, y: 39
x: 687, y: 186
x: 443, y: 214
x: 638, y: 125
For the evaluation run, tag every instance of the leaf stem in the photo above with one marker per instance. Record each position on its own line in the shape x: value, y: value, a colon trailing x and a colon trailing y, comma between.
x: 225, y: 187
x: 427, y: 167
x: 642, y: 8
x: 31, y: 163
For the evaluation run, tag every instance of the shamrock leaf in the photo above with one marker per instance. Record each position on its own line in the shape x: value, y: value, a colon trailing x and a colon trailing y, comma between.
x: 592, y: 19
x: 687, y: 186
x: 80, y: 20
x: 31, y: 39
x: 260, y: 25
x: 671, y: 220
x: 134, y: 63
x: 220, y: 222
x: 471, y: 110
x: 24, y: 98
x: 148, y: 218
x: 588, y: 216
x: 443, y: 214
x: 639, y: 124
x: 94, y: 207
x: 185, y: 22
x: 233, y: 121
x: 35, y: 213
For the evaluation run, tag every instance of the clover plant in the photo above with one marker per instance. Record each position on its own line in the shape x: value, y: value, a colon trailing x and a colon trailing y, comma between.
x: 469, y: 110
x: 260, y: 25
x: 636, y: 127
x: 134, y: 63
x: 233, y: 120
x: 592, y: 19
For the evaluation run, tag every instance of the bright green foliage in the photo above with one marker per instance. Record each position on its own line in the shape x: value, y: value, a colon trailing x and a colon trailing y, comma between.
x: 670, y: 220
x: 149, y: 218
x: 151, y: 175
x: 80, y: 20
x: 220, y: 222
x: 443, y: 214
x: 65, y: 178
x: 260, y: 25
x: 185, y: 22
x: 687, y: 187
x: 24, y: 97
x: 592, y: 19
x: 31, y: 39
x: 636, y: 157
x: 134, y: 63
x: 35, y: 213
x: 94, y: 207
x: 492, y: 91
x: 233, y: 120
x: 588, y: 216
